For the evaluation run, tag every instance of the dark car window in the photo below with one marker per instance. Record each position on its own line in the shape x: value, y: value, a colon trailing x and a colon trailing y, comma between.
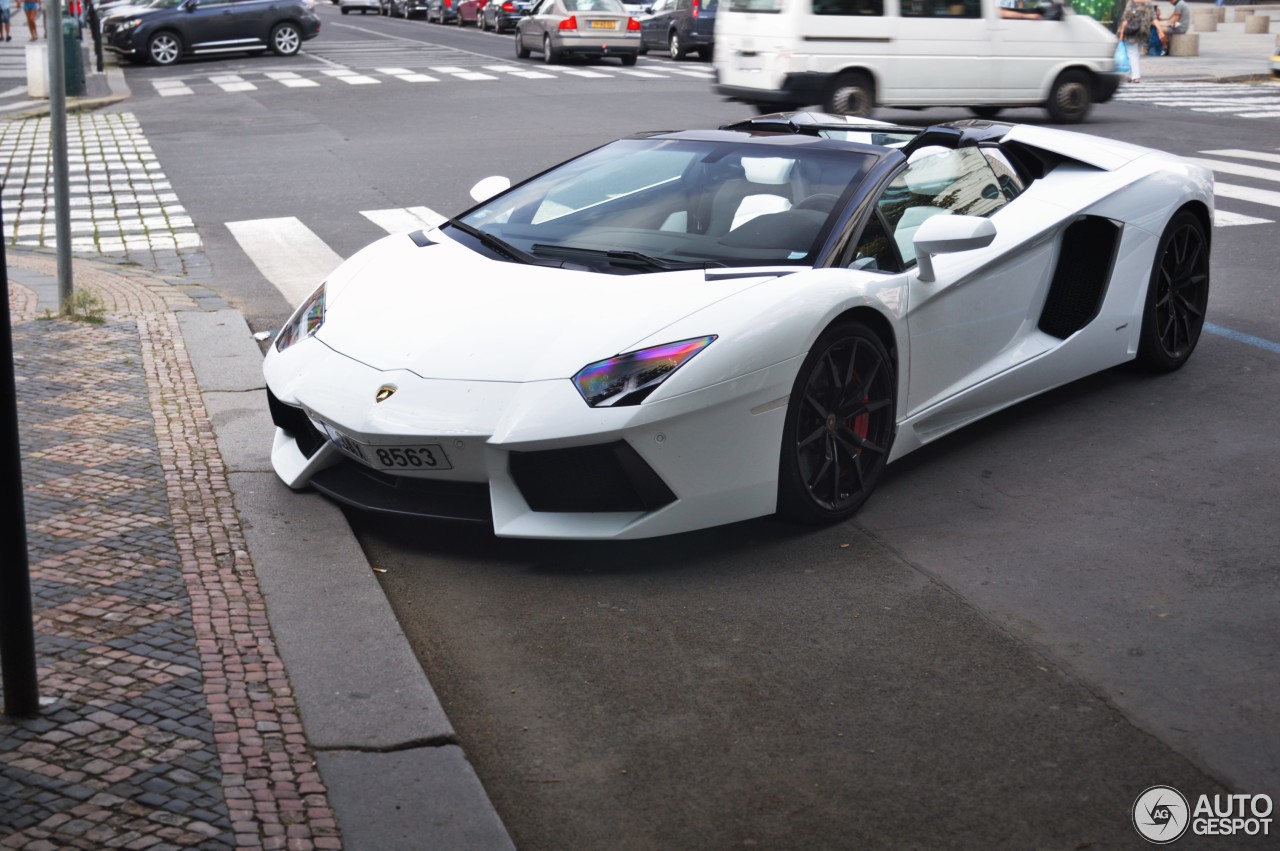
x: 848, y: 7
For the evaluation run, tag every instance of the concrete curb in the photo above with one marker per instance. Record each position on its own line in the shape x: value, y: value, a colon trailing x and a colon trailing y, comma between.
x: 387, y: 751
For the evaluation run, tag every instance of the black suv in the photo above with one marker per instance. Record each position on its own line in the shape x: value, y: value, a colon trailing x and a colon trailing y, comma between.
x: 164, y: 31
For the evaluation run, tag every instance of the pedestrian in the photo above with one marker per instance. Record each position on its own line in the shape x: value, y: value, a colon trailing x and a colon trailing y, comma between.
x: 29, y: 8
x: 1135, y: 29
x: 1178, y: 22
x: 6, y: 13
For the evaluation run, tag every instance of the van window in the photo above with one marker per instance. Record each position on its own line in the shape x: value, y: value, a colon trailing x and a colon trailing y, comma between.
x: 848, y: 7
x: 942, y: 8
x: 771, y: 7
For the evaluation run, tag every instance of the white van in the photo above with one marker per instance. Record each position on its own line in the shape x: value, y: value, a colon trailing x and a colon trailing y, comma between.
x: 851, y: 56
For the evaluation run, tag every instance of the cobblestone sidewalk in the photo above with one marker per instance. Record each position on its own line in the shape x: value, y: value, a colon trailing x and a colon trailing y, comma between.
x: 121, y: 203
x: 172, y: 723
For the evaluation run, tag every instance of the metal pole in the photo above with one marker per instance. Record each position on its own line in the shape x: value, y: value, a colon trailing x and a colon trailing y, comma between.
x: 58, y: 145
x: 17, y: 632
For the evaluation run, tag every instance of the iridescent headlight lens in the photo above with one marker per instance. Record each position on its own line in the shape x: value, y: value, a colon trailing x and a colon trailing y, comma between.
x: 629, y: 379
x: 306, y: 320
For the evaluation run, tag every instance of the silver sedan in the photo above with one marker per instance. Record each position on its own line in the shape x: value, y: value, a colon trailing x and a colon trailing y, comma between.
x: 593, y: 28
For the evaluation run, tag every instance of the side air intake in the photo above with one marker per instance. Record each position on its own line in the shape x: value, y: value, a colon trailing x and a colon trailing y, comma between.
x: 1085, y: 261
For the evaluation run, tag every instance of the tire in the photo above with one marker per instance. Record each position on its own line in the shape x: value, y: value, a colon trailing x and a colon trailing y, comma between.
x: 286, y: 40
x: 346, y: 11
x: 1069, y: 99
x: 164, y: 48
x: 522, y: 52
x: 987, y: 112
x: 628, y: 59
x: 1177, y: 295
x: 673, y: 46
x: 704, y: 53
x: 481, y: 23
x: 853, y: 93
x: 460, y: 20
x: 839, y: 426
x: 549, y: 54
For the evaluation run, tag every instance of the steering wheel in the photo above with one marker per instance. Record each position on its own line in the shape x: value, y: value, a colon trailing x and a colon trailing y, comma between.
x: 822, y: 202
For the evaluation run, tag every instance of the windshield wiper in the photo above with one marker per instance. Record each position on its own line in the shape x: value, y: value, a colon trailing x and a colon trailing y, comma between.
x: 621, y: 258
x: 492, y: 242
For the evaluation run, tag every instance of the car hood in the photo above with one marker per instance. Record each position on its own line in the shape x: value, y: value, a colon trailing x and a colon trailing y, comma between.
x: 444, y: 311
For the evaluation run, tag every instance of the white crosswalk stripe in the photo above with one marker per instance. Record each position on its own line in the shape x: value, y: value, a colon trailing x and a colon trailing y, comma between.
x: 1222, y: 164
x: 404, y: 72
x: 1245, y: 100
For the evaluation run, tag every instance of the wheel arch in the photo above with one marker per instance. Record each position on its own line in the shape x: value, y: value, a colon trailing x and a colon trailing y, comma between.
x: 854, y: 69
x: 1200, y: 210
x: 877, y: 323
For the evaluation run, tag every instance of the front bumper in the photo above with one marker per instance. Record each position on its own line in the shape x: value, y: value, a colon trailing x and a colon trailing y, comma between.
x: 800, y: 89
x: 531, y: 458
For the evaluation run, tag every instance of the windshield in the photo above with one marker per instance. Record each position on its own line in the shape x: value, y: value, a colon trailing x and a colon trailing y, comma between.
x: 646, y: 204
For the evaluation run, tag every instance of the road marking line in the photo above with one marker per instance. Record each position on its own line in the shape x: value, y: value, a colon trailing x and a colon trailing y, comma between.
x: 1223, y: 219
x: 631, y: 73
x: 1247, y: 193
x: 473, y: 75
x: 1245, y: 155
x: 359, y: 80
x: 393, y: 72
x: 299, y: 83
x: 1242, y: 338
x: 576, y: 73
x: 532, y: 75
x: 401, y: 219
x: 1220, y: 167
x: 287, y: 253
x: 417, y: 78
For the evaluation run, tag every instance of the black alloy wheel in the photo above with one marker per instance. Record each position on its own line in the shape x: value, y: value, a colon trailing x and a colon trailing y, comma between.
x: 839, y: 426
x: 1177, y: 295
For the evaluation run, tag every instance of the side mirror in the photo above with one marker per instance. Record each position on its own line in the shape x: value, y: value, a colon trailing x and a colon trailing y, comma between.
x: 190, y: 5
x: 490, y: 186
x: 947, y: 235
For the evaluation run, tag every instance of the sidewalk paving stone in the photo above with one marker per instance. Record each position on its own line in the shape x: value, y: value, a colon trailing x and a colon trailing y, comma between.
x: 173, y: 723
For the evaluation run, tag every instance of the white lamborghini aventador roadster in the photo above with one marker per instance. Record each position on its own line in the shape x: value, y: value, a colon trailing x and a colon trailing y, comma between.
x: 678, y: 330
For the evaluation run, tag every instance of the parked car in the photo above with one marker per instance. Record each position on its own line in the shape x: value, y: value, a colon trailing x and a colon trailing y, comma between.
x: 460, y: 12
x: 503, y: 15
x: 679, y: 27
x: 597, y: 28
x: 362, y: 6
x: 774, y: 311
x: 402, y: 8
x: 167, y: 30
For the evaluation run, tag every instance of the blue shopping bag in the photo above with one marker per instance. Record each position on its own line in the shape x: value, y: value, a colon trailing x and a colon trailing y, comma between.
x: 1122, y: 58
x: 1154, y: 47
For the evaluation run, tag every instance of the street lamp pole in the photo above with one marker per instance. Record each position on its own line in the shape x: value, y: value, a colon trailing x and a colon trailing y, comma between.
x: 58, y: 146
x: 17, y: 632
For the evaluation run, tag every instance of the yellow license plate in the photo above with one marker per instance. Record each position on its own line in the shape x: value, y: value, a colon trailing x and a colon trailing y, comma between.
x: 604, y: 25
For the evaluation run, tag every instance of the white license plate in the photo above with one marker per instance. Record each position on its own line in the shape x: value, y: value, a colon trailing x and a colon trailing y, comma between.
x: 419, y: 457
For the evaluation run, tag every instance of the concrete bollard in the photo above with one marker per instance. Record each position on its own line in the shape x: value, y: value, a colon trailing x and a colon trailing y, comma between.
x: 1257, y: 24
x: 1184, y: 44
x: 37, y: 71
x: 1241, y: 15
x: 1222, y: 13
x: 1204, y: 20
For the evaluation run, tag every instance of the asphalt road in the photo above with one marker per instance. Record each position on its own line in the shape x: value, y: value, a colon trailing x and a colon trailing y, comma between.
x: 1028, y: 624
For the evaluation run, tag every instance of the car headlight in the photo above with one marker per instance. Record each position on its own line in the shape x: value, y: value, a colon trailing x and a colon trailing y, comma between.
x: 128, y: 25
x: 629, y: 379
x: 306, y: 320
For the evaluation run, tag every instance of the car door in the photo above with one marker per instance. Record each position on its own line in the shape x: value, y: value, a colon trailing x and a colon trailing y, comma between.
x: 206, y: 23
x: 653, y: 27
x: 971, y: 322
x: 941, y: 54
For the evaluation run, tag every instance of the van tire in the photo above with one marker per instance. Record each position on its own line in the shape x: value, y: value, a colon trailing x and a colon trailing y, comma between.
x: 987, y: 112
x: 1069, y: 99
x: 852, y: 93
